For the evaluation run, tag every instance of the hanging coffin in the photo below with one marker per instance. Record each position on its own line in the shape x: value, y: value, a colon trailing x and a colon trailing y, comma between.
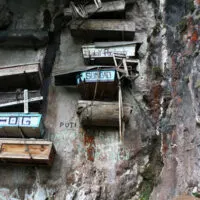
x: 102, y: 52
x: 108, y: 10
x: 23, y: 38
x: 27, y: 76
x: 99, y: 113
x: 108, y: 29
x: 11, y: 100
x: 21, y: 125
x: 98, y: 84
x: 25, y: 151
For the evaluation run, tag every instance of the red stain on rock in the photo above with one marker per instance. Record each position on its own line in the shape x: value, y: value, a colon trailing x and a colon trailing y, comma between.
x: 197, y: 2
x: 89, y: 142
x: 194, y: 37
x: 156, y: 91
x: 164, y: 144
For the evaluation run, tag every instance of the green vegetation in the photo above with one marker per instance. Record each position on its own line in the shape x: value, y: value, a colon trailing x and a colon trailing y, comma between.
x: 146, y: 191
x: 157, y: 72
x: 182, y: 25
x: 197, y: 84
x: 191, y: 6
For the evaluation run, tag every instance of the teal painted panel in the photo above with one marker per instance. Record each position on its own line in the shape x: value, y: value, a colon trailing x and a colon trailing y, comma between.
x: 96, y: 75
x: 21, y: 124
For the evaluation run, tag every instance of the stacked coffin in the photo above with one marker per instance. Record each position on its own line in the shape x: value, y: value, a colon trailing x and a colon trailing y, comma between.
x: 98, y: 83
x: 99, y: 87
x: 20, y: 91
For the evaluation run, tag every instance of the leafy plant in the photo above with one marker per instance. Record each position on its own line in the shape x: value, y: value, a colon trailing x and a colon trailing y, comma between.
x: 146, y: 191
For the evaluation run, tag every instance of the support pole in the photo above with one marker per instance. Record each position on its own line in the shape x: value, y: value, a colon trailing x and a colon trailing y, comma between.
x: 25, y: 101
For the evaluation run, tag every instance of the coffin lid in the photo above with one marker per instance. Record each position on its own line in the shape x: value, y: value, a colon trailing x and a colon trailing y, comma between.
x: 68, y: 77
x: 111, y: 44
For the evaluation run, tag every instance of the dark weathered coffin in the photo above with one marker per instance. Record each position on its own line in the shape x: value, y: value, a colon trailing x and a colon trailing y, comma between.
x: 23, y: 38
x: 108, y: 29
x: 98, y: 84
x: 99, y: 113
x: 28, y: 125
x: 102, y: 52
x: 10, y: 100
x: 69, y: 77
x: 26, y: 151
x: 109, y: 10
x: 27, y: 76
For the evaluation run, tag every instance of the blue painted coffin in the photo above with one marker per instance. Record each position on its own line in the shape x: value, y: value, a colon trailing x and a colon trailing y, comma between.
x: 96, y: 75
x: 98, y: 84
x: 28, y: 125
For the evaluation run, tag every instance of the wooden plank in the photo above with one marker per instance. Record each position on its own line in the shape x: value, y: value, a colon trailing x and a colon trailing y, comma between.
x: 185, y: 197
x: 22, y: 76
x: 109, y: 10
x: 21, y: 125
x: 30, y: 100
x: 97, y: 29
x: 98, y: 113
x: 23, y: 38
x: 9, y: 97
x: 102, y: 52
x: 23, y: 151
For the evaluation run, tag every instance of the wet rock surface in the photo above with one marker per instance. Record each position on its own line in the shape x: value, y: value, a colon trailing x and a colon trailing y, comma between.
x: 5, y: 15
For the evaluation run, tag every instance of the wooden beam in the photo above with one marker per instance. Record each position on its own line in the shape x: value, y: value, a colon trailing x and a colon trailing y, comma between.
x: 30, y: 100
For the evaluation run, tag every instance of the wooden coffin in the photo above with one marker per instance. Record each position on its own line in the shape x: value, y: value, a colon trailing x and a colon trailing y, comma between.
x: 26, y: 151
x: 69, y: 77
x: 21, y: 125
x: 102, y: 52
x: 23, y: 38
x: 27, y: 76
x: 107, y: 29
x: 12, y: 100
x: 99, y: 113
x: 185, y: 197
x: 98, y: 84
x: 109, y: 10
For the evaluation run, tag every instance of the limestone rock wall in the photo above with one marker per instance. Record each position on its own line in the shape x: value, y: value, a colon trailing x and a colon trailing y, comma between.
x: 160, y: 148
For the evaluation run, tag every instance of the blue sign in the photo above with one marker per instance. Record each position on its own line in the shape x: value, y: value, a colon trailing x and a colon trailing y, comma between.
x: 13, y: 124
x: 96, y: 75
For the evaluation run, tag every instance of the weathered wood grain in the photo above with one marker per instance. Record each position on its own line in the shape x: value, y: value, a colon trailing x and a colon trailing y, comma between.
x: 22, y: 151
x: 99, y: 113
x: 109, y: 29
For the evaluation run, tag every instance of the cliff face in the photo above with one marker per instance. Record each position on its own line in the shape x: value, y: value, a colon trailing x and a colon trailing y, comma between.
x: 180, y: 145
x: 159, y: 155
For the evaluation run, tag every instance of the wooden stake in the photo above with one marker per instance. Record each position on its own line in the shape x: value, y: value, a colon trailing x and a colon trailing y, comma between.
x: 25, y: 101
